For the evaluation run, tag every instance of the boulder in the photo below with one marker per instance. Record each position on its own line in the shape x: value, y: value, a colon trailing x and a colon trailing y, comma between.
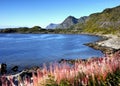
x: 15, y: 68
x: 3, y: 68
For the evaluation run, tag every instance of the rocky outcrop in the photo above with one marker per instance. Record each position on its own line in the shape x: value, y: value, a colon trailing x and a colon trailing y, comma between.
x: 3, y: 68
x: 110, y: 44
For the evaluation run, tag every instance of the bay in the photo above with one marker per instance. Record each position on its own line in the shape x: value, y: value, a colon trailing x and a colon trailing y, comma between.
x: 27, y: 50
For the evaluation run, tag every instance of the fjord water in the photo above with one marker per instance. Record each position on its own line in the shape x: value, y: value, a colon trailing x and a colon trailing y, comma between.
x: 27, y: 50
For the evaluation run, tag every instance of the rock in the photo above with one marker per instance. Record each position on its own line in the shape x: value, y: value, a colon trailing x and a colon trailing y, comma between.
x: 25, y: 74
x: 15, y: 68
x: 104, y: 49
x: 28, y: 72
x: 62, y: 60
x: 0, y: 66
x: 84, y: 60
x: 3, y: 69
x: 70, y: 61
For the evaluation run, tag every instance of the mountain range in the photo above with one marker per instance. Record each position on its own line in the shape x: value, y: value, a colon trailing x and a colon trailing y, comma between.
x: 107, y: 21
x: 67, y: 23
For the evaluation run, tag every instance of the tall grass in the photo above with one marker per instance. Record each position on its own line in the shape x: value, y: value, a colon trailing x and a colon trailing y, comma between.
x: 104, y: 71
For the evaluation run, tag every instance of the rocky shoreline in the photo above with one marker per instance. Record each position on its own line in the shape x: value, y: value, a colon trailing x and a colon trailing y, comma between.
x: 109, y: 45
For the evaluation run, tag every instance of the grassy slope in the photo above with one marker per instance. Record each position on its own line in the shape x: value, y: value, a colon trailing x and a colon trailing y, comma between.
x: 106, y: 22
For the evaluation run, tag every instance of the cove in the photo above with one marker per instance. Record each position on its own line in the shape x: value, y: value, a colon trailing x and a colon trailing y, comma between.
x: 26, y: 50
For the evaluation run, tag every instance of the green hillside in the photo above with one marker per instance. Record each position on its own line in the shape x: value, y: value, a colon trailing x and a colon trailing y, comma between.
x: 105, y: 22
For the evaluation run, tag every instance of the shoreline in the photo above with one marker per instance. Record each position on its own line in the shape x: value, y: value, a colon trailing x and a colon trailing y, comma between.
x: 108, y: 45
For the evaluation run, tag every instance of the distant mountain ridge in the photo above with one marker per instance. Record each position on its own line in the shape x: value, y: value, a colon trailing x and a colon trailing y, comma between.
x: 71, y: 20
x: 52, y: 26
x: 67, y: 23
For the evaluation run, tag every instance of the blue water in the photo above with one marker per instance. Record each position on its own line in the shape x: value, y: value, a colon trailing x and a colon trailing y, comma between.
x: 27, y: 50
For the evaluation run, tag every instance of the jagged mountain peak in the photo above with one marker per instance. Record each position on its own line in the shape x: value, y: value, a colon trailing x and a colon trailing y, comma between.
x: 69, y: 21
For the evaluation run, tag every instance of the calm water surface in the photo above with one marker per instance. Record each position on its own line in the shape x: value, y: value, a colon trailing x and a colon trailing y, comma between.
x: 35, y: 49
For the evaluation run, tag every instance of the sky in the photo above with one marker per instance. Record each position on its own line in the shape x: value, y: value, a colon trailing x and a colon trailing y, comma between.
x: 29, y: 13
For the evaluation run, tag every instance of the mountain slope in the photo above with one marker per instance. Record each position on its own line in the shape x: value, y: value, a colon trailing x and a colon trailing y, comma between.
x: 82, y: 19
x: 107, y: 21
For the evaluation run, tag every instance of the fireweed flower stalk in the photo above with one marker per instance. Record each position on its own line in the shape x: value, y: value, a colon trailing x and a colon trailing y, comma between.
x: 92, y: 72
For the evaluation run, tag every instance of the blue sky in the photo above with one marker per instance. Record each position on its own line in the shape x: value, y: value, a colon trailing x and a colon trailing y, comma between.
x: 28, y: 13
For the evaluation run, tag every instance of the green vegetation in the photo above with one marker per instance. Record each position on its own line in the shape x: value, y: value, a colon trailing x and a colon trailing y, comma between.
x: 112, y: 79
x: 35, y: 29
x: 106, y: 22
